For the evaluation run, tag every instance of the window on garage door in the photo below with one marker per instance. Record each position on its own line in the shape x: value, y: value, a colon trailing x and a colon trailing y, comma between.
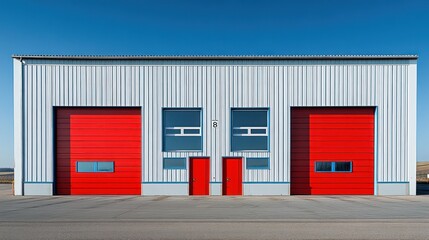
x: 182, y: 129
x: 249, y: 128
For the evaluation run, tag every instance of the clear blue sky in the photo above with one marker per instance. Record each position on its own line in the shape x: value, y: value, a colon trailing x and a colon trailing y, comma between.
x: 212, y: 27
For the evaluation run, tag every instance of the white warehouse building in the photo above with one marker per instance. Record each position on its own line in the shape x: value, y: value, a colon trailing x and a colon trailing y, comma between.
x: 215, y: 125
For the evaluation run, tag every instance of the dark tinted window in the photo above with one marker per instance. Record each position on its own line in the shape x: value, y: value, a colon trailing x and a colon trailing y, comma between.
x: 323, y: 166
x: 174, y: 163
x: 333, y: 167
x: 249, y: 130
x: 343, y: 166
x: 257, y: 163
x: 182, y: 130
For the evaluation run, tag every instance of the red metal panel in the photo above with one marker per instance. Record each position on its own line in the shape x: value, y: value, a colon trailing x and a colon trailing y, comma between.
x: 199, y: 176
x: 98, y: 134
x: 232, y: 176
x: 332, y: 134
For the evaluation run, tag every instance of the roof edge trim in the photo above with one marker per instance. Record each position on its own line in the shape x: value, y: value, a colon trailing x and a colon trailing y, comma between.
x: 218, y: 57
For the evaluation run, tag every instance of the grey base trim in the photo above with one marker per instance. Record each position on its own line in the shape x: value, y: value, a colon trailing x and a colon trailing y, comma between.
x: 38, y: 189
x: 250, y: 189
x: 172, y: 189
x: 215, y: 189
x: 393, y: 188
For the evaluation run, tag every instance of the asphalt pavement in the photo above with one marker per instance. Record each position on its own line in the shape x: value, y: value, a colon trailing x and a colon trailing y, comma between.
x: 214, y: 217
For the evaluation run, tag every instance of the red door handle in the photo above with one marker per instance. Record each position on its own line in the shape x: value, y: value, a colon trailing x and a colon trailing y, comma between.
x: 193, y: 179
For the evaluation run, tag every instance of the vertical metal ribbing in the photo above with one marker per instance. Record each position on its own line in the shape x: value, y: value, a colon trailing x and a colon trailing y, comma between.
x: 216, y: 89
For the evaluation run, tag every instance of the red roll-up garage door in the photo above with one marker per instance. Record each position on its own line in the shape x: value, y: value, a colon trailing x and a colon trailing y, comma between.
x: 332, y: 151
x: 98, y: 151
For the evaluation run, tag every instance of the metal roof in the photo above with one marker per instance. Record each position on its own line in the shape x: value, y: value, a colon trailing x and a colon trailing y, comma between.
x: 217, y: 57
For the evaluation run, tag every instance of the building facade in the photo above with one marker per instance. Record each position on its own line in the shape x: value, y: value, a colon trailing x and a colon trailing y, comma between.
x: 215, y: 125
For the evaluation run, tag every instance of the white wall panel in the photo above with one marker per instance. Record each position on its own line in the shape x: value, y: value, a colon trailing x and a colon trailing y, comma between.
x: 216, y: 87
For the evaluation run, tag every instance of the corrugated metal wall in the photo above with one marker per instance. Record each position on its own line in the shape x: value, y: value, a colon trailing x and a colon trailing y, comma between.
x: 215, y: 86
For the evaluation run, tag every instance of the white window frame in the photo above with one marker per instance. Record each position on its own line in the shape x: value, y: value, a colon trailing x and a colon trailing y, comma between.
x: 249, y: 132
x: 182, y: 132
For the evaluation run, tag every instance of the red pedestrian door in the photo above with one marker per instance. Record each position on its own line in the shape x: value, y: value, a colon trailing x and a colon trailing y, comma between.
x: 232, y: 176
x: 199, y: 176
